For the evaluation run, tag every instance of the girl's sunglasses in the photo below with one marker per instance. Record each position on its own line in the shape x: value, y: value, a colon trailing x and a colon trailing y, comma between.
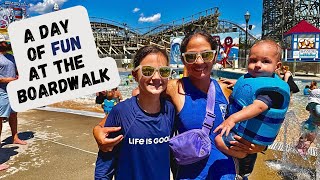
x: 149, y: 71
x: 207, y: 56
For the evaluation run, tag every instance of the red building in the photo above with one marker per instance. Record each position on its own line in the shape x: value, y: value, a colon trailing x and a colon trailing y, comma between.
x: 302, y: 43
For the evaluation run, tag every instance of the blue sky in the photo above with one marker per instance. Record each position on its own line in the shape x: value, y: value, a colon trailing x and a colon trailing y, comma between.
x: 152, y: 13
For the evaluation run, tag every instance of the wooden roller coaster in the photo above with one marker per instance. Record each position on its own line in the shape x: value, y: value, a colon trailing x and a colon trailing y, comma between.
x: 119, y: 41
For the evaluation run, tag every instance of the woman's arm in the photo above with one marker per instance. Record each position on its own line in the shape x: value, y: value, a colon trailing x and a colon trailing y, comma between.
x: 286, y: 76
x: 230, y: 82
x: 101, y: 133
x: 175, y: 93
x: 225, y: 89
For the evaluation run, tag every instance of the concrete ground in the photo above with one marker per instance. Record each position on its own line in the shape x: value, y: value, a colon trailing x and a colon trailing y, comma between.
x: 60, y: 146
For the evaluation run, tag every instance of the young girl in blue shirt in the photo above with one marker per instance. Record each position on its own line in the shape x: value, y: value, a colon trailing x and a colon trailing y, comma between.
x: 146, y: 122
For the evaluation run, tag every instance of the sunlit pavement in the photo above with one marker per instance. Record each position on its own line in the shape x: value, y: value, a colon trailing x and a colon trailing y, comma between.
x: 60, y: 146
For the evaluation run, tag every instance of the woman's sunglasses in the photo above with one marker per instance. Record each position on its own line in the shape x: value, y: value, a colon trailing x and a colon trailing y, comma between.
x: 149, y: 71
x: 207, y: 56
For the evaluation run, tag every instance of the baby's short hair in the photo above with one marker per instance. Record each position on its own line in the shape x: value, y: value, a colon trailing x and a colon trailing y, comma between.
x: 272, y: 43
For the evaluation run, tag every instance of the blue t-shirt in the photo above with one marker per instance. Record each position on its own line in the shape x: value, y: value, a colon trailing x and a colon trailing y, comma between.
x: 144, y: 151
x: 218, y: 165
x: 7, y: 69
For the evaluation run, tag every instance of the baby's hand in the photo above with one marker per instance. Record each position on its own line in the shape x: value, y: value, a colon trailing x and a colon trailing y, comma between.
x: 225, y: 127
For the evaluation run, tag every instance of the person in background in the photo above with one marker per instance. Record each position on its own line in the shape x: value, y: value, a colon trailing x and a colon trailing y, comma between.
x: 313, y: 85
x: 306, y: 90
x: 310, y: 127
x: 287, y: 77
x: 109, y: 102
x: 100, y: 97
x: 146, y: 122
x: 130, y: 78
x: 117, y: 95
x: 8, y: 73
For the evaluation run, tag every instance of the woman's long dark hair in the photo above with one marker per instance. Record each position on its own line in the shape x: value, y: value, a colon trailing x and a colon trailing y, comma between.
x: 207, y: 36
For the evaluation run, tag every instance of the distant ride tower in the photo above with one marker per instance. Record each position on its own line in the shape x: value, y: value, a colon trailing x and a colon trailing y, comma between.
x: 281, y: 15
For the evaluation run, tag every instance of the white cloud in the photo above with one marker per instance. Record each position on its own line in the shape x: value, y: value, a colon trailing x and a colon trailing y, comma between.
x: 154, y: 18
x: 45, y: 6
x: 135, y: 10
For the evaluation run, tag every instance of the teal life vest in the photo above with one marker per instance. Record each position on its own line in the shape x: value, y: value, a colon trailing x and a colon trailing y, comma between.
x: 264, y: 128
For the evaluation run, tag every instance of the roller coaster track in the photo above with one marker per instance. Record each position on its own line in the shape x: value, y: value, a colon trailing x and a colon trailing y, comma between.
x: 242, y: 30
x: 119, y: 40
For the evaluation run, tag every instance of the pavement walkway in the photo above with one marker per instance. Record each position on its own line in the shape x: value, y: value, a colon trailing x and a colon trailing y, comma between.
x: 60, y: 146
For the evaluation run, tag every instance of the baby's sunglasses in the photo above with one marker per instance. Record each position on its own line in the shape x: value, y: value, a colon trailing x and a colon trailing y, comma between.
x: 207, y: 56
x: 149, y: 71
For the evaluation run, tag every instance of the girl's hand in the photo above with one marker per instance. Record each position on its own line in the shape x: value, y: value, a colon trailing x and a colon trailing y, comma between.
x: 106, y: 144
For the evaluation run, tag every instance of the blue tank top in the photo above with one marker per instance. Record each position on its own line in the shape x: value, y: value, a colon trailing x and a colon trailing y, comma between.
x: 218, y: 165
